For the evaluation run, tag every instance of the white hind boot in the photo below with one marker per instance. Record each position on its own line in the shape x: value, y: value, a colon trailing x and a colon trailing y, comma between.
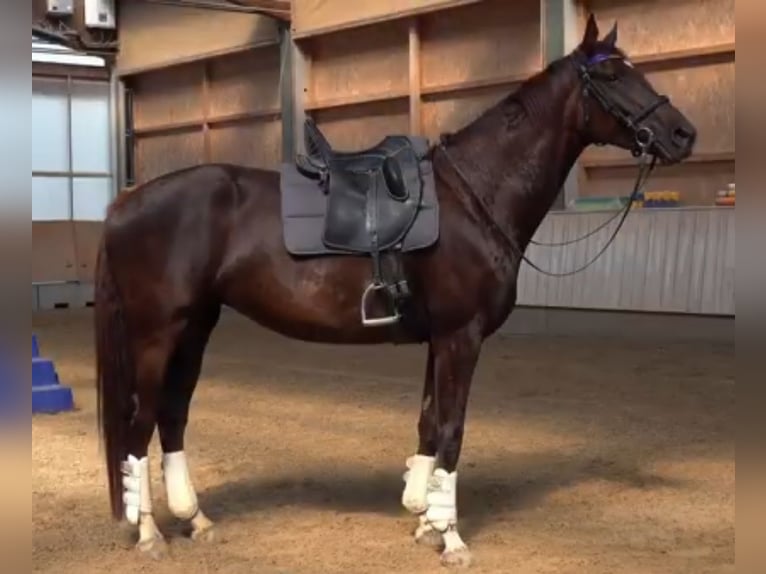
x: 182, y: 498
x: 137, y: 498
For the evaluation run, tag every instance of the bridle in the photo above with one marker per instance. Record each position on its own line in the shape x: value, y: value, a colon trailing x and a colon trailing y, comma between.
x: 643, y: 138
x: 593, y: 82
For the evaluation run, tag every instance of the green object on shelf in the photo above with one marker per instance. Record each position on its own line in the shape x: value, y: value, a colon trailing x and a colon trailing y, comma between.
x: 599, y: 203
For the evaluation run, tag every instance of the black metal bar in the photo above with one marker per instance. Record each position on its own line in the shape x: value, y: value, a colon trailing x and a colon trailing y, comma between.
x: 223, y: 6
x: 130, y: 142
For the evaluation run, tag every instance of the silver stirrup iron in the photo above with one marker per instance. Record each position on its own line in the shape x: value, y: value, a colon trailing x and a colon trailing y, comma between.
x: 378, y: 321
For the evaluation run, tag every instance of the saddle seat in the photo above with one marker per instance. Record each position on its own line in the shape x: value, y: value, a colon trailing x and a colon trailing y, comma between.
x: 373, y: 199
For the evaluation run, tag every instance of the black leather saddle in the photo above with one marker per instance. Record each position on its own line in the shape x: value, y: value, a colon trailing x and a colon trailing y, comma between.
x: 373, y: 199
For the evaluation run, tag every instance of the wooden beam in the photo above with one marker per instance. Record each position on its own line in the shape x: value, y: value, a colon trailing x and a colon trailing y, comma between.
x: 287, y: 93
x: 559, y: 19
x: 301, y: 92
x: 416, y: 115
x: 124, y: 72
x: 211, y: 120
x: 207, y: 152
x: 277, y: 8
x: 46, y: 70
x: 681, y: 56
x: 470, y: 85
x: 387, y: 17
x: 356, y: 100
x: 244, y: 117
x: 710, y: 157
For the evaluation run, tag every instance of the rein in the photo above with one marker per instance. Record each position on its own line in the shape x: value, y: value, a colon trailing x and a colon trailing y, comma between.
x: 645, y: 169
x: 644, y: 138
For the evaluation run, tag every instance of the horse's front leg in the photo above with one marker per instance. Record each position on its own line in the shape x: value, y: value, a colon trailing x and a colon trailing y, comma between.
x: 452, y: 360
x: 420, y: 466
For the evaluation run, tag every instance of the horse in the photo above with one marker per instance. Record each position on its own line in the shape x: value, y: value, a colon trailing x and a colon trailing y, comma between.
x: 179, y: 247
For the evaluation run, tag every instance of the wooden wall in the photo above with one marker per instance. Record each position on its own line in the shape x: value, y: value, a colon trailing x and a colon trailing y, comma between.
x: 223, y: 109
x: 155, y: 35
x: 687, y: 50
x: 64, y: 250
x: 425, y: 74
x: 311, y: 17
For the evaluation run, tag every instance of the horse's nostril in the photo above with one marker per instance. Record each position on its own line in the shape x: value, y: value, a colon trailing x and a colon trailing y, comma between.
x: 683, y: 136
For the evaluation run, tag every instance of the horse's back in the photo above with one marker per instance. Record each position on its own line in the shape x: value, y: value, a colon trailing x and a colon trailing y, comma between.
x: 169, y: 236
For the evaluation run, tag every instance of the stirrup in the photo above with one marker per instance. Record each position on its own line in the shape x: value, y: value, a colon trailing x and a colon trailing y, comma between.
x: 378, y: 321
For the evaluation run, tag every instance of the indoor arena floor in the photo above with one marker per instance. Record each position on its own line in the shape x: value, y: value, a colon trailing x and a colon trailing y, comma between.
x: 580, y: 456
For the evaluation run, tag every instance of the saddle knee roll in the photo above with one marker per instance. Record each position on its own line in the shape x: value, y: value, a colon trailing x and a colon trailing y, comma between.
x: 136, y: 488
x: 182, y: 499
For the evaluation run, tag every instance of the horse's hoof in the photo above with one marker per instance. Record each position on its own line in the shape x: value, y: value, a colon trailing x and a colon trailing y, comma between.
x: 458, y: 558
x: 430, y: 538
x: 206, y: 535
x: 155, y: 548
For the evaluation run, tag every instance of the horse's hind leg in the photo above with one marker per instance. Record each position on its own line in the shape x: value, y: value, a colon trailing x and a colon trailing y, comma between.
x: 180, y: 382
x: 152, y: 353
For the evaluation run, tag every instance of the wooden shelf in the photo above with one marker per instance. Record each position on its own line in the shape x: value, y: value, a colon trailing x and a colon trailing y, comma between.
x: 468, y: 85
x: 409, y: 12
x: 596, y: 163
x: 211, y: 121
x: 687, y: 54
x: 169, y: 127
x: 356, y: 100
x: 244, y: 116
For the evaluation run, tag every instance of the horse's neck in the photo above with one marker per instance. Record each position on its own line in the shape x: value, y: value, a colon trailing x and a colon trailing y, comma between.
x: 518, y: 154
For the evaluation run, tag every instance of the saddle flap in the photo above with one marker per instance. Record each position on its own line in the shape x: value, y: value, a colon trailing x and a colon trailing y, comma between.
x: 374, y: 198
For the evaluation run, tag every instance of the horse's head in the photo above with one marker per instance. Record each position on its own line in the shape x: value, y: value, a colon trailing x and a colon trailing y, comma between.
x: 622, y: 108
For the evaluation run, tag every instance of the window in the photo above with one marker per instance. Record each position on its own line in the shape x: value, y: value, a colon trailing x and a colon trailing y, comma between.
x: 72, y: 173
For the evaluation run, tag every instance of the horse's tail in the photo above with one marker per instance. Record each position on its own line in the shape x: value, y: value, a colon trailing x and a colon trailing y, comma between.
x: 115, y: 376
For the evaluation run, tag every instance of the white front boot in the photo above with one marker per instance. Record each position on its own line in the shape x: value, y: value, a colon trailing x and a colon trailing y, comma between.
x: 416, y: 479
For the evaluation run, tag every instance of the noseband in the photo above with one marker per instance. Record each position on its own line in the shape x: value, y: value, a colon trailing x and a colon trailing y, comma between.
x: 594, y: 85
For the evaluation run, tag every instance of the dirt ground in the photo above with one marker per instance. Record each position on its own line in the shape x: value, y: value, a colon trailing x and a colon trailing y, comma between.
x: 580, y: 456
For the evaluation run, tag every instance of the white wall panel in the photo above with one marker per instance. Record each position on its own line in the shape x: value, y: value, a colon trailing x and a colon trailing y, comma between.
x: 90, y: 127
x: 674, y: 260
x: 50, y: 128
x: 91, y: 198
x: 50, y: 199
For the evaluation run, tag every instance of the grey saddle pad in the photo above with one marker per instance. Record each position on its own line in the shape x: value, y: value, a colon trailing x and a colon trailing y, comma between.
x: 304, y: 208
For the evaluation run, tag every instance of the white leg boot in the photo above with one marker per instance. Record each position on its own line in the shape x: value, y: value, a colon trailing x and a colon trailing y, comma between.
x: 442, y: 517
x: 416, y: 479
x: 137, y: 496
x: 182, y: 498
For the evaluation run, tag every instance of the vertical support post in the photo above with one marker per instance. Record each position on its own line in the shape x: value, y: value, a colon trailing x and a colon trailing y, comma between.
x: 560, y: 35
x: 128, y: 136
x: 301, y: 83
x: 207, y: 153
x: 416, y: 118
x: 116, y: 129
x: 70, y: 139
x: 286, y: 93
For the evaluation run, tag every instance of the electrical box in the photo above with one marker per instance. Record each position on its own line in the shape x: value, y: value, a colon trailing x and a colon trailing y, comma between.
x: 100, y: 14
x: 60, y: 7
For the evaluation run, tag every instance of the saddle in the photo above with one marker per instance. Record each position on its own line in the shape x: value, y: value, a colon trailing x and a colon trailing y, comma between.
x: 373, y: 199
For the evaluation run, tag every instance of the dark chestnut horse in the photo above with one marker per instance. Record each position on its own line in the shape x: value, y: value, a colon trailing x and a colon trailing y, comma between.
x: 178, y: 248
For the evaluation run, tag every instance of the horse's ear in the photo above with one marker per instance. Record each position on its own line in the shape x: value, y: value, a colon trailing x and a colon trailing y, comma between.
x: 611, y: 37
x: 591, y: 32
